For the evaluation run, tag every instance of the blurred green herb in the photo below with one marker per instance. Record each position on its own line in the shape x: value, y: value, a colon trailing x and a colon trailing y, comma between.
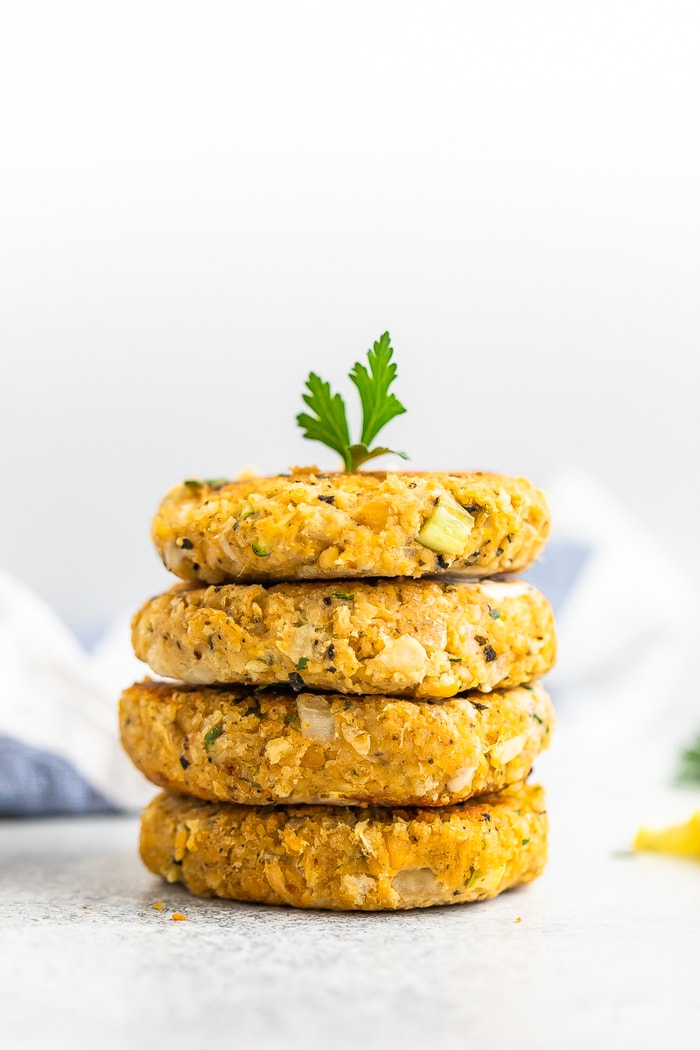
x: 689, y: 766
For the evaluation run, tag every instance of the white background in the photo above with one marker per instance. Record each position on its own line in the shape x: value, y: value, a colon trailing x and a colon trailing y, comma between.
x: 201, y: 202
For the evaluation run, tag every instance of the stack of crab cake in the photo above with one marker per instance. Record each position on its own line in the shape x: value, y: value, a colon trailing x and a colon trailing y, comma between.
x: 352, y: 708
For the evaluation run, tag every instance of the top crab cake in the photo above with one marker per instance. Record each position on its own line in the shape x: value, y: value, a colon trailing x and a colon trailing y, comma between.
x: 308, y: 525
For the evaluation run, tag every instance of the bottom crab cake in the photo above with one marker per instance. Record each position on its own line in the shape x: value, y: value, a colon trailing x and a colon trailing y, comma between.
x: 348, y: 858
x: 236, y: 744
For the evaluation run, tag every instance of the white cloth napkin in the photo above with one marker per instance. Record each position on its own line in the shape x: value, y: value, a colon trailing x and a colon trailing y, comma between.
x: 59, y: 747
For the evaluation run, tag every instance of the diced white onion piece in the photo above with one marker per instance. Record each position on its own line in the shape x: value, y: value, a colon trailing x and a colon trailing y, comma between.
x: 508, y: 750
x: 404, y: 656
x: 229, y: 550
x: 299, y: 643
x: 413, y: 884
x: 358, y: 739
x: 316, y: 721
x: 362, y: 833
x: 175, y: 557
x: 462, y: 779
x: 496, y: 671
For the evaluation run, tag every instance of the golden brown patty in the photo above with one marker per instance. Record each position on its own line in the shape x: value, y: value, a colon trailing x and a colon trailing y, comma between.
x: 238, y: 746
x: 348, y: 859
x: 420, y: 638
x: 314, y: 526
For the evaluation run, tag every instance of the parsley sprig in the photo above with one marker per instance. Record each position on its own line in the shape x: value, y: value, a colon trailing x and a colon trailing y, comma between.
x: 329, y: 424
x: 689, y: 768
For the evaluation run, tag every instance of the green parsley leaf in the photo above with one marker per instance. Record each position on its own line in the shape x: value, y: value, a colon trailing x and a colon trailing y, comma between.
x: 212, y: 736
x: 378, y: 405
x: 329, y: 424
x: 361, y: 454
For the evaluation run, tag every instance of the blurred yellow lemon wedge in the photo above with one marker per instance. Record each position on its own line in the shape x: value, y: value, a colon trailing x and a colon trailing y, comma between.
x: 682, y: 839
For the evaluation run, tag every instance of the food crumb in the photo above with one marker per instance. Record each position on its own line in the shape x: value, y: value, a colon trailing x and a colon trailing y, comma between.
x: 519, y: 919
x: 158, y: 905
x: 177, y: 916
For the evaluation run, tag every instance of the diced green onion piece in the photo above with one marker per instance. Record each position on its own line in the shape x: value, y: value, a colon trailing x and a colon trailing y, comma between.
x: 448, y: 528
x: 474, y: 876
x: 262, y: 552
x: 246, y: 510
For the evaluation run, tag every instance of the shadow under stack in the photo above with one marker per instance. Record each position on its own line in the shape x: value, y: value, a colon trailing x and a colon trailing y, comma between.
x: 352, y: 709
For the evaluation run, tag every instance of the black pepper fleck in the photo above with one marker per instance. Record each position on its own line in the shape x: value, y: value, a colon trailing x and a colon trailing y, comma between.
x: 183, y: 762
x: 490, y: 654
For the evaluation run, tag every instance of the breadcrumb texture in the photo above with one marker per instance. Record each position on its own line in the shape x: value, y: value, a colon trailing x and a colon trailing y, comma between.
x: 235, y: 745
x: 419, y: 638
x: 348, y: 859
x: 313, y: 526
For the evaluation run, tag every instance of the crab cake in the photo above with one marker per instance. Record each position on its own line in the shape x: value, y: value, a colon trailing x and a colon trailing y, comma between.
x: 329, y: 526
x: 236, y: 745
x: 348, y: 859
x: 420, y: 638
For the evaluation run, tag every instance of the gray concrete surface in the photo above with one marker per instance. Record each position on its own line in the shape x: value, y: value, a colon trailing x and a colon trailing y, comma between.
x: 605, y: 953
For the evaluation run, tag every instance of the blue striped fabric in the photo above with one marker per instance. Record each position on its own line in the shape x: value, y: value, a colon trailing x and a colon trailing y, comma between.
x: 34, y: 782
x: 557, y: 573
